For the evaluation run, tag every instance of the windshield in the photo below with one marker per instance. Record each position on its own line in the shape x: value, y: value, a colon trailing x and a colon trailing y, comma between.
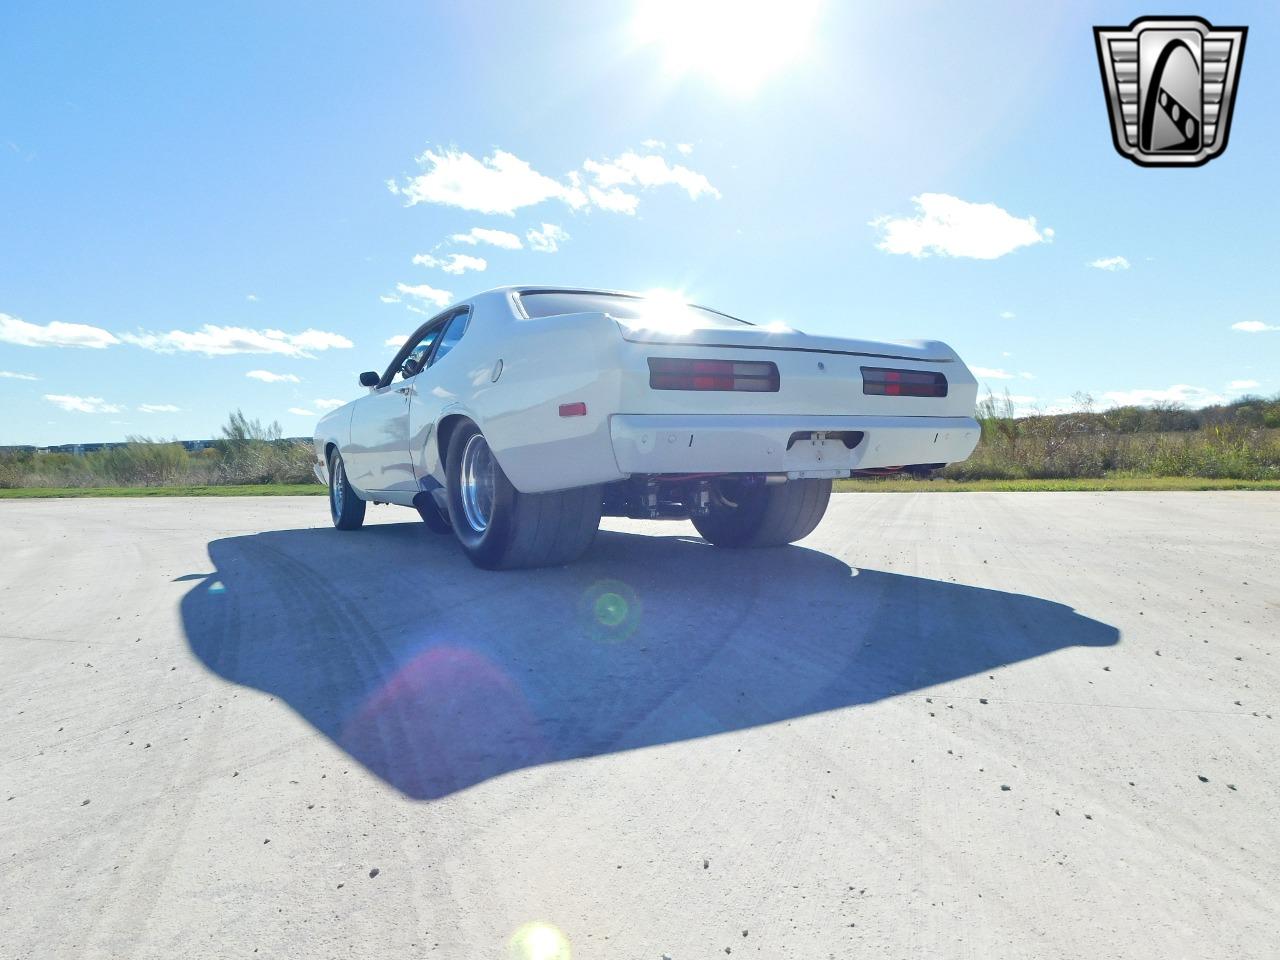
x: 552, y: 303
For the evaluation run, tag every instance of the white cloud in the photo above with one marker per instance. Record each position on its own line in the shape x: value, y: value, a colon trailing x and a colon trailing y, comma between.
x: 996, y: 373
x: 652, y: 144
x: 386, y: 298
x: 1022, y: 399
x: 1007, y: 315
x: 501, y: 183
x: 1253, y: 326
x: 685, y: 148
x: 266, y: 376
x: 395, y: 341
x: 425, y: 293
x: 316, y: 340
x: 951, y: 227
x: 74, y: 404
x: 455, y: 263
x: 631, y: 169
x: 615, y: 199
x: 990, y: 373
x: 1178, y: 393
x: 55, y: 334
x: 329, y: 404
x: 252, y: 298
x: 216, y: 341
x: 10, y: 375
x: 1110, y: 263
x: 302, y: 412
x: 158, y: 408
x: 548, y: 239
x: 494, y: 238
x: 1243, y: 384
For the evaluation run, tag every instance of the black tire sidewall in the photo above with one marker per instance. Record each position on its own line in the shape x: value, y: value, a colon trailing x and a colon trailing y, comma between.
x: 333, y: 503
x: 437, y: 520
x: 735, y: 526
x: 353, y: 506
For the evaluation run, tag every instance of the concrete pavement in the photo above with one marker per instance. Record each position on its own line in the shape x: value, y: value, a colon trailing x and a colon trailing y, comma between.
x: 945, y: 725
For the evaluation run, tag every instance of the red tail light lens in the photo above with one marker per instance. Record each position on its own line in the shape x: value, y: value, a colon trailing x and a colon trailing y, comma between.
x: 674, y: 373
x: 884, y: 382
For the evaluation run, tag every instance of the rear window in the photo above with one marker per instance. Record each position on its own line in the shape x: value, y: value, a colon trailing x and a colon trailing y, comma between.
x: 552, y: 303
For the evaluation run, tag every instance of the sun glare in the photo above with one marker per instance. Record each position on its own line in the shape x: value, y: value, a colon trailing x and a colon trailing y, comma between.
x: 667, y: 298
x: 539, y: 941
x: 737, y: 43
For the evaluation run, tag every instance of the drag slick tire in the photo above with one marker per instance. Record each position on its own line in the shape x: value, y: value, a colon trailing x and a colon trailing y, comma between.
x: 345, y: 506
x: 437, y: 520
x: 501, y: 528
x: 763, y: 515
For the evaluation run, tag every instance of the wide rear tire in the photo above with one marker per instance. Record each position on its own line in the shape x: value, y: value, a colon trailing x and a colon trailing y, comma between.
x: 501, y: 528
x: 765, y: 515
x: 345, y: 506
x: 436, y: 520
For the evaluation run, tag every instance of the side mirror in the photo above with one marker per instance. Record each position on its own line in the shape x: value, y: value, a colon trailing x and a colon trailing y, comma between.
x: 369, y: 379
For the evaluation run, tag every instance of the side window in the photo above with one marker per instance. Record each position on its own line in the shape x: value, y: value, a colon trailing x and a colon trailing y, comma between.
x: 452, y: 334
x: 417, y: 358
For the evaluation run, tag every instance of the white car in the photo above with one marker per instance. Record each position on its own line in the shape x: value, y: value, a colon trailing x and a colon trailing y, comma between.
x: 519, y: 417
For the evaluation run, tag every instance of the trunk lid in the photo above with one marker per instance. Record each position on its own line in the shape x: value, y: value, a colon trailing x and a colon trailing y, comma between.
x: 782, y: 338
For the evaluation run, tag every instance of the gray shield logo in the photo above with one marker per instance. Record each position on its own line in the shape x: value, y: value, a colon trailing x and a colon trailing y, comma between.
x: 1170, y: 84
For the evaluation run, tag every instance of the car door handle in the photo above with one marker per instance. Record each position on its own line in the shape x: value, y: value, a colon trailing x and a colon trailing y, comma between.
x: 405, y: 390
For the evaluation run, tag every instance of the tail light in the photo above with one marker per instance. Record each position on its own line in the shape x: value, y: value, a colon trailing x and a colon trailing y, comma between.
x: 884, y: 382
x: 674, y: 373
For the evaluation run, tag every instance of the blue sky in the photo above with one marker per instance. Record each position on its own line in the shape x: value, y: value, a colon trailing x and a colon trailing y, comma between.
x: 203, y: 192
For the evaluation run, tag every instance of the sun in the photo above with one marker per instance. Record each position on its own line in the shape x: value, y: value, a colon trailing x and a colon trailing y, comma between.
x: 739, y: 44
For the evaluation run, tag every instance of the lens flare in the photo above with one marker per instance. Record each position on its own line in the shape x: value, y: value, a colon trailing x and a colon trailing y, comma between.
x: 611, y: 610
x: 539, y: 941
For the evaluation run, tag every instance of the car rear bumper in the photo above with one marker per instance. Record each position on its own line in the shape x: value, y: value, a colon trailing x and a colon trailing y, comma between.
x: 786, y: 444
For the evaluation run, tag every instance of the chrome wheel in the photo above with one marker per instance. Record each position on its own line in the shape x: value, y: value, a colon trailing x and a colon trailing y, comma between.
x: 477, y: 483
x: 336, y: 492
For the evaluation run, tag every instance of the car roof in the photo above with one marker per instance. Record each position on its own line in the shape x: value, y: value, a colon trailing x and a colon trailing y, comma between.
x: 510, y: 289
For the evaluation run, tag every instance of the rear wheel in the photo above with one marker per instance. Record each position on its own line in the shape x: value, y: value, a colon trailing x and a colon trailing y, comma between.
x: 501, y: 528
x: 764, y: 515
x: 345, y: 506
x: 437, y: 520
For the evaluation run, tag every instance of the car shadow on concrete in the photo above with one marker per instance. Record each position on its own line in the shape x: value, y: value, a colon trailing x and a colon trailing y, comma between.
x: 437, y: 676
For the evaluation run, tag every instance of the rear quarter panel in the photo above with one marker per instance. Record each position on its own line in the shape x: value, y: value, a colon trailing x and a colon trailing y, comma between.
x: 547, y: 362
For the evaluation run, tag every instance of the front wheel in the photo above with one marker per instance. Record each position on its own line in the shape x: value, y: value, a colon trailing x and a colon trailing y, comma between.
x: 345, y: 505
x: 501, y: 528
x: 763, y: 515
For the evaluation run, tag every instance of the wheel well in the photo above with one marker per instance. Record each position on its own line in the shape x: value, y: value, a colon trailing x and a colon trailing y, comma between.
x: 444, y: 433
x: 328, y: 451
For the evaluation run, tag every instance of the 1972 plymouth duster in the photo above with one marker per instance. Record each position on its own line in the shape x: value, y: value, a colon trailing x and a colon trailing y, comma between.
x: 519, y: 417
